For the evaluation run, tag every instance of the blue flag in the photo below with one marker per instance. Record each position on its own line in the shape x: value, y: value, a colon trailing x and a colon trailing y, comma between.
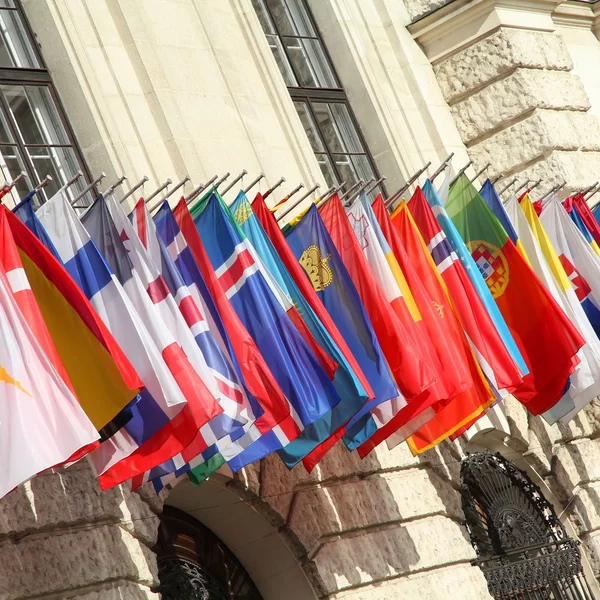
x: 311, y: 243
x: 344, y: 380
x: 260, y: 308
x: 489, y: 194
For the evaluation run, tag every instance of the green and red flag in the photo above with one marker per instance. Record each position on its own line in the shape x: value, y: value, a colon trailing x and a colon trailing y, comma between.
x: 546, y: 338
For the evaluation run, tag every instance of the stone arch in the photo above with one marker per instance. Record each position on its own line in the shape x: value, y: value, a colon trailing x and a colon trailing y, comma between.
x: 249, y: 530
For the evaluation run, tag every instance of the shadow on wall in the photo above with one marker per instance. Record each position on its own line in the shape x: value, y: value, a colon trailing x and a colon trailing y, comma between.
x: 60, y: 533
x: 349, y: 525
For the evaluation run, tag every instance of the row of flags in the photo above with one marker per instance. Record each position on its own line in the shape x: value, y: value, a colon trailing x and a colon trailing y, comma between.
x: 173, y: 344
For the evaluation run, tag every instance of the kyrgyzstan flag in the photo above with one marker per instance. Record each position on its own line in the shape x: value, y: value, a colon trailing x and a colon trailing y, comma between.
x: 546, y: 339
x: 477, y: 396
x: 492, y: 355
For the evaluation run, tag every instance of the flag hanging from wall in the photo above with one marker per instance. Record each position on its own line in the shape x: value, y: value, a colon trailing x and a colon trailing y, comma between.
x: 42, y: 422
x: 545, y: 337
x: 85, y: 353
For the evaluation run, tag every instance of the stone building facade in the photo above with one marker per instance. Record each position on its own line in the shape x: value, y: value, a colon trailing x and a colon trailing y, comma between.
x: 168, y: 88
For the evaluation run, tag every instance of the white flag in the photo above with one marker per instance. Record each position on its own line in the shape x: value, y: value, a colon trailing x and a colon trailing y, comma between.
x: 41, y: 421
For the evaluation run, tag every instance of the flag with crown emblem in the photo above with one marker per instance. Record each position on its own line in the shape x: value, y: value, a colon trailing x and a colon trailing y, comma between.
x: 343, y: 378
x: 315, y: 251
x: 262, y: 306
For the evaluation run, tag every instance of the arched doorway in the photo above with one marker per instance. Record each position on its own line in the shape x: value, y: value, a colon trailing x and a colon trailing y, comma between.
x: 194, y: 564
x: 522, y: 547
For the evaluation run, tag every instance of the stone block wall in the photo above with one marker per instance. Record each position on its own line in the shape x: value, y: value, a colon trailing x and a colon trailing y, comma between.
x: 518, y: 105
x: 61, y: 537
x: 389, y: 526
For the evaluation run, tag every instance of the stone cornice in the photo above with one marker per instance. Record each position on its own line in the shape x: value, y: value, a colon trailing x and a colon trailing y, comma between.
x: 577, y: 15
x: 460, y: 23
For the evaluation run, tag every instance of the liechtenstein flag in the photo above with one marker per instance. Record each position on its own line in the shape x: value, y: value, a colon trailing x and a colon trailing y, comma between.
x: 296, y: 368
x: 314, y: 249
x: 344, y: 379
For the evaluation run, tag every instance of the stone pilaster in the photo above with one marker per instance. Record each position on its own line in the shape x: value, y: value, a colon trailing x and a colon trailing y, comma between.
x: 61, y: 537
x: 509, y: 80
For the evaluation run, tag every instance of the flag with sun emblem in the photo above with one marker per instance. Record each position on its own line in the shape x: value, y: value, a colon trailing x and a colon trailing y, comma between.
x: 311, y: 243
x: 544, y: 335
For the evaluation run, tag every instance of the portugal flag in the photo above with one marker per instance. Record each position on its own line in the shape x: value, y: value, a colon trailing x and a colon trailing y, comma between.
x: 543, y: 333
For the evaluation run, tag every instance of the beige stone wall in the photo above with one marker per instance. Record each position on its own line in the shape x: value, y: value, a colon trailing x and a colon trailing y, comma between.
x: 507, y: 73
x: 61, y: 537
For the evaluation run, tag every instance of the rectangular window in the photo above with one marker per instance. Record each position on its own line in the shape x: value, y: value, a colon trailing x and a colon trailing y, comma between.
x: 35, y: 136
x: 318, y: 95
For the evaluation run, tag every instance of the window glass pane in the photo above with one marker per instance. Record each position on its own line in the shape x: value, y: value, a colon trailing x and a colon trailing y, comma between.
x: 312, y: 131
x: 282, y: 60
x: 11, y: 165
x: 337, y: 126
x: 35, y: 114
x: 60, y: 163
x: 310, y: 63
x: 327, y: 169
x: 16, y: 49
x: 6, y: 136
x: 291, y: 17
x: 7, y: 3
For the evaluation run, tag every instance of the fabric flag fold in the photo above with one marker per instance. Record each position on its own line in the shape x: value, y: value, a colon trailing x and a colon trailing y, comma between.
x: 401, y: 301
x: 82, y: 349
x: 476, y: 396
x: 161, y: 400
x: 461, y: 250
x: 493, y: 356
x: 259, y: 304
x: 42, y: 423
x: 24, y: 210
x: 200, y: 402
x: 228, y: 425
x: 585, y: 380
x: 274, y: 426
x: 315, y: 251
x: 577, y: 257
x: 546, y: 339
x: 344, y: 380
x: 587, y: 216
x: 573, y: 212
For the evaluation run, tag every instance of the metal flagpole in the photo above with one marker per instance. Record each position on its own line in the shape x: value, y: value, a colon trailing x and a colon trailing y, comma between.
x: 116, y: 184
x: 414, y: 178
x: 441, y: 167
x: 461, y: 171
x: 164, y: 186
x: 253, y: 183
x: 375, y: 185
x: 225, y: 177
x: 134, y: 189
x: 201, y: 187
x: 271, y: 190
x: 481, y: 171
x: 171, y: 192
x: 240, y: 176
x: 87, y: 189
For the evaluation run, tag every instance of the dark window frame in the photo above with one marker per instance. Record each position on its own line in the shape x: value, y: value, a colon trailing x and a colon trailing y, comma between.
x: 37, y: 77
x: 309, y: 95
